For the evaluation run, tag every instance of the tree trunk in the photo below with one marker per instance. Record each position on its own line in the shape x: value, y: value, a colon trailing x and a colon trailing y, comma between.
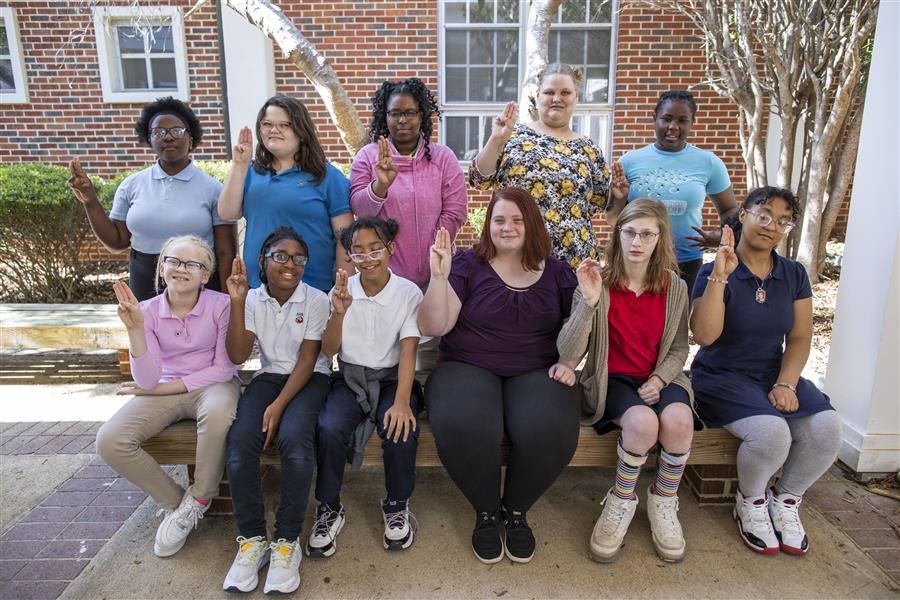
x: 278, y: 28
x: 537, y: 36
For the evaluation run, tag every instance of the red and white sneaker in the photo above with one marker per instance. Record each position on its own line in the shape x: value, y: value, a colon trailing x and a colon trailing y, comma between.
x: 754, y: 524
x: 785, y: 512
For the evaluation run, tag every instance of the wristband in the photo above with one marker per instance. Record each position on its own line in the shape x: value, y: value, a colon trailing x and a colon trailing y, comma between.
x: 784, y: 384
x: 717, y: 280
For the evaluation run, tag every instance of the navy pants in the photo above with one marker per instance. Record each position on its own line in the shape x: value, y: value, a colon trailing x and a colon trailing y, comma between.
x: 296, y: 446
x: 338, y: 420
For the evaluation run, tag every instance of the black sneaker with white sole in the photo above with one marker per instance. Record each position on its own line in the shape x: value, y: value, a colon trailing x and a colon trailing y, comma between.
x: 487, y: 537
x: 519, y: 538
x: 325, y: 530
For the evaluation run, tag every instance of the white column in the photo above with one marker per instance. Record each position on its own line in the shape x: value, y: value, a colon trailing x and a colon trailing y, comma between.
x: 863, y: 377
x: 249, y: 67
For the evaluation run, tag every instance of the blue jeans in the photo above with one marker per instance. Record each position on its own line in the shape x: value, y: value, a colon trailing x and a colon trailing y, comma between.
x: 295, y: 441
x: 338, y: 420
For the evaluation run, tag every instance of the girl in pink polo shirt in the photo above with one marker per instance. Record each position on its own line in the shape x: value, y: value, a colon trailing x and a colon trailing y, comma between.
x: 181, y: 370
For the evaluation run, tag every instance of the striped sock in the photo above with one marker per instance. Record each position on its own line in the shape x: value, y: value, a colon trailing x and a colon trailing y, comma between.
x: 628, y: 467
x: 669, y: 469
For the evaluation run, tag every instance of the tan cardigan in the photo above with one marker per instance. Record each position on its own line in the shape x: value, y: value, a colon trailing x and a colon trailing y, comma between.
x: 586, y: 331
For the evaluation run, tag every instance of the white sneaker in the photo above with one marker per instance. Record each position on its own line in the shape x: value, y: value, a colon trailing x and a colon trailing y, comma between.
x: 252, y: 555
x: 754, y: 524
x: 399, y: 525
x: 610, y: 528
x: 325, y: 531
x: 284, y: 567
x: 668, y: 538
x: 785, y: 512
x: 177, y: 525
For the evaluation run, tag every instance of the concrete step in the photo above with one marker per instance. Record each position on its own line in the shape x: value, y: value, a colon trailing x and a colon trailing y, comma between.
x: 60, y: 326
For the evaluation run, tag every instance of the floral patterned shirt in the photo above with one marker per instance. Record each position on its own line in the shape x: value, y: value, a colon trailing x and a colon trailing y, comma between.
x: 569, y: 179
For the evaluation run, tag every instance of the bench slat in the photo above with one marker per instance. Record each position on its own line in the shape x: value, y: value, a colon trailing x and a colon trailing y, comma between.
x: 177, y: 445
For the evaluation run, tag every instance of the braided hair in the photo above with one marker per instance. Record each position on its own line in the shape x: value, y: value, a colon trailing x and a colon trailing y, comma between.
x: 425, y: 100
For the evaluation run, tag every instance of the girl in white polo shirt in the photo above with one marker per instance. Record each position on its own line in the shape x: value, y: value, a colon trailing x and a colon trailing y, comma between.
x: 373, y: 332
x: 280, y: 406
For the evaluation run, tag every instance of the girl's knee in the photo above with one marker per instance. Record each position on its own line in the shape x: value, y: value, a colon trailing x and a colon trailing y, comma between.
x: 771, y: 438
x: 640, y: 421
x: 112, y: 444
x: 677, y: 420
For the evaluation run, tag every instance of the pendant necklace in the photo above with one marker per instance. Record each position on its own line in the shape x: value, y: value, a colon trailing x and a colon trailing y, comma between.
x: 761, y: 287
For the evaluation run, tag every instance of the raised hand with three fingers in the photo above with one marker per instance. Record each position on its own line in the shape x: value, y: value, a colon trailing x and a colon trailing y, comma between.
x: 505, y: 123
x: 619, y: 186
x: 440, y: 256
x: 340, y: 296
x: 242, y: 152
x: 129, y: 307
x: 726, y: 259
x: 589, y: 281
x: 81, y: 185
x: 385, y: 170
x: 236, y: 283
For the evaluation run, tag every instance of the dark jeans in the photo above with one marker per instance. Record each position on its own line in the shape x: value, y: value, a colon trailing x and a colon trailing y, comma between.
x: 142, y: 276
x: 295, y: 441
x: 689, y: 272
x: 470, y: 408
x: 338, y: 420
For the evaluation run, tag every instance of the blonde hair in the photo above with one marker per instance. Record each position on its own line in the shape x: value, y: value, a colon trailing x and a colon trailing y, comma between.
x: 209, y: 256
x: 562, y: 69
x: 661, y: 260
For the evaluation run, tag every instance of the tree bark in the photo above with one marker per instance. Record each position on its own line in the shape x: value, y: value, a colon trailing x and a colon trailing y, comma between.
x: 299, y: 51
x: 537, y: 37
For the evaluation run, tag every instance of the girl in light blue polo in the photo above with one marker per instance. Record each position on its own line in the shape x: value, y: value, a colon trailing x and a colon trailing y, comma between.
x: 289, y: 183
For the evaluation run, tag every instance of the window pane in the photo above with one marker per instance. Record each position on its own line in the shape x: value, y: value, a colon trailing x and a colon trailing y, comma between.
x: 601, y: 11
x: 456, y: 85
x: 573, y: 11
x: 456, y: 47
x: 571, y: 47
x: 472, y: 139
x: 481, y: 47
x: 164, y: 73
x: 455, y: 135
x: 130, y: 40
x: 596, y: 85
x: 553, y: 47
x: 481, y: 11
x: 7, y: 83
x: 507, y: 84
x: 4, y: 42
x: 134, y: 74
x: 508, y: 11
x: 455, y: 12
x: 598, y: 47
x: 507, y: 47
x: 161, y: 39
x: 481, y: 84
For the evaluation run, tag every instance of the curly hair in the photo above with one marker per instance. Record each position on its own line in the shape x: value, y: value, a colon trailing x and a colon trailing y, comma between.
x: 310, y: 156
x: 386, y: 230
x: 280, y: 234
x: 425, y: 100
x: 761, y: 196
x: 677, y: 96
x: 168, y: 106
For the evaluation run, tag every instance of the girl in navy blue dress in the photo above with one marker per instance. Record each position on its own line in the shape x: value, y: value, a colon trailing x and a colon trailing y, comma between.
x: 752, y: 316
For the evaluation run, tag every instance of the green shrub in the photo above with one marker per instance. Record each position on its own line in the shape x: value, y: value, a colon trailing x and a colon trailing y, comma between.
x: 42, y: 231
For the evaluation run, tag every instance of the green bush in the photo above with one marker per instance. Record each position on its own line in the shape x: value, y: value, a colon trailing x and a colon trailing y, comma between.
x: 42, y: 231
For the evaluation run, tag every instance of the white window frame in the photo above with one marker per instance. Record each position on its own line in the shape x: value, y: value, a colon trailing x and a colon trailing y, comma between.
x: 474, y: 109
x: 20, y: 94
x: 105, y: 21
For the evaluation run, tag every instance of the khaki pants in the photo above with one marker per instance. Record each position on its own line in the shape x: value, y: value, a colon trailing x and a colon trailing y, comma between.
x: 119, y: 440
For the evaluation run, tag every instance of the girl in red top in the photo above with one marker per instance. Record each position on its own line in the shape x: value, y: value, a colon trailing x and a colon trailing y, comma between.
x: 630, y: 318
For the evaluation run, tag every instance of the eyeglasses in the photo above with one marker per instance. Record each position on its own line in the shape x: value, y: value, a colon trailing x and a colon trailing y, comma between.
x: 268, y: 126
x: 364, y: 256
x: 784, y: 225
x: 647, y: 237
x: 282, y: 257
x: 158, y: 133
x: 409, y: 115
x: 191, y: 266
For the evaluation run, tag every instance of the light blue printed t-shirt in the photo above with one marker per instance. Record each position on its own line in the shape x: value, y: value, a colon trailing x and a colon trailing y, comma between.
x: 292, y: 198
x: 156, y: 206
x: 681, y: 180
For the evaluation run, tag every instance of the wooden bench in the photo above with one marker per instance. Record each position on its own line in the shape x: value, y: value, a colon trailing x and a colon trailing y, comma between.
x: 176, y: 445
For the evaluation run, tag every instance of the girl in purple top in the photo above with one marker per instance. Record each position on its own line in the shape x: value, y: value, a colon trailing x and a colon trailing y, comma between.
x: 402, y: 176
x: 500, y: 307
x: 181, y: 371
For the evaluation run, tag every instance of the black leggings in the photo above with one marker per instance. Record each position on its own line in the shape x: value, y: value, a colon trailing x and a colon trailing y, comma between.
x: 689, y: 272
x: 470, y: 408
